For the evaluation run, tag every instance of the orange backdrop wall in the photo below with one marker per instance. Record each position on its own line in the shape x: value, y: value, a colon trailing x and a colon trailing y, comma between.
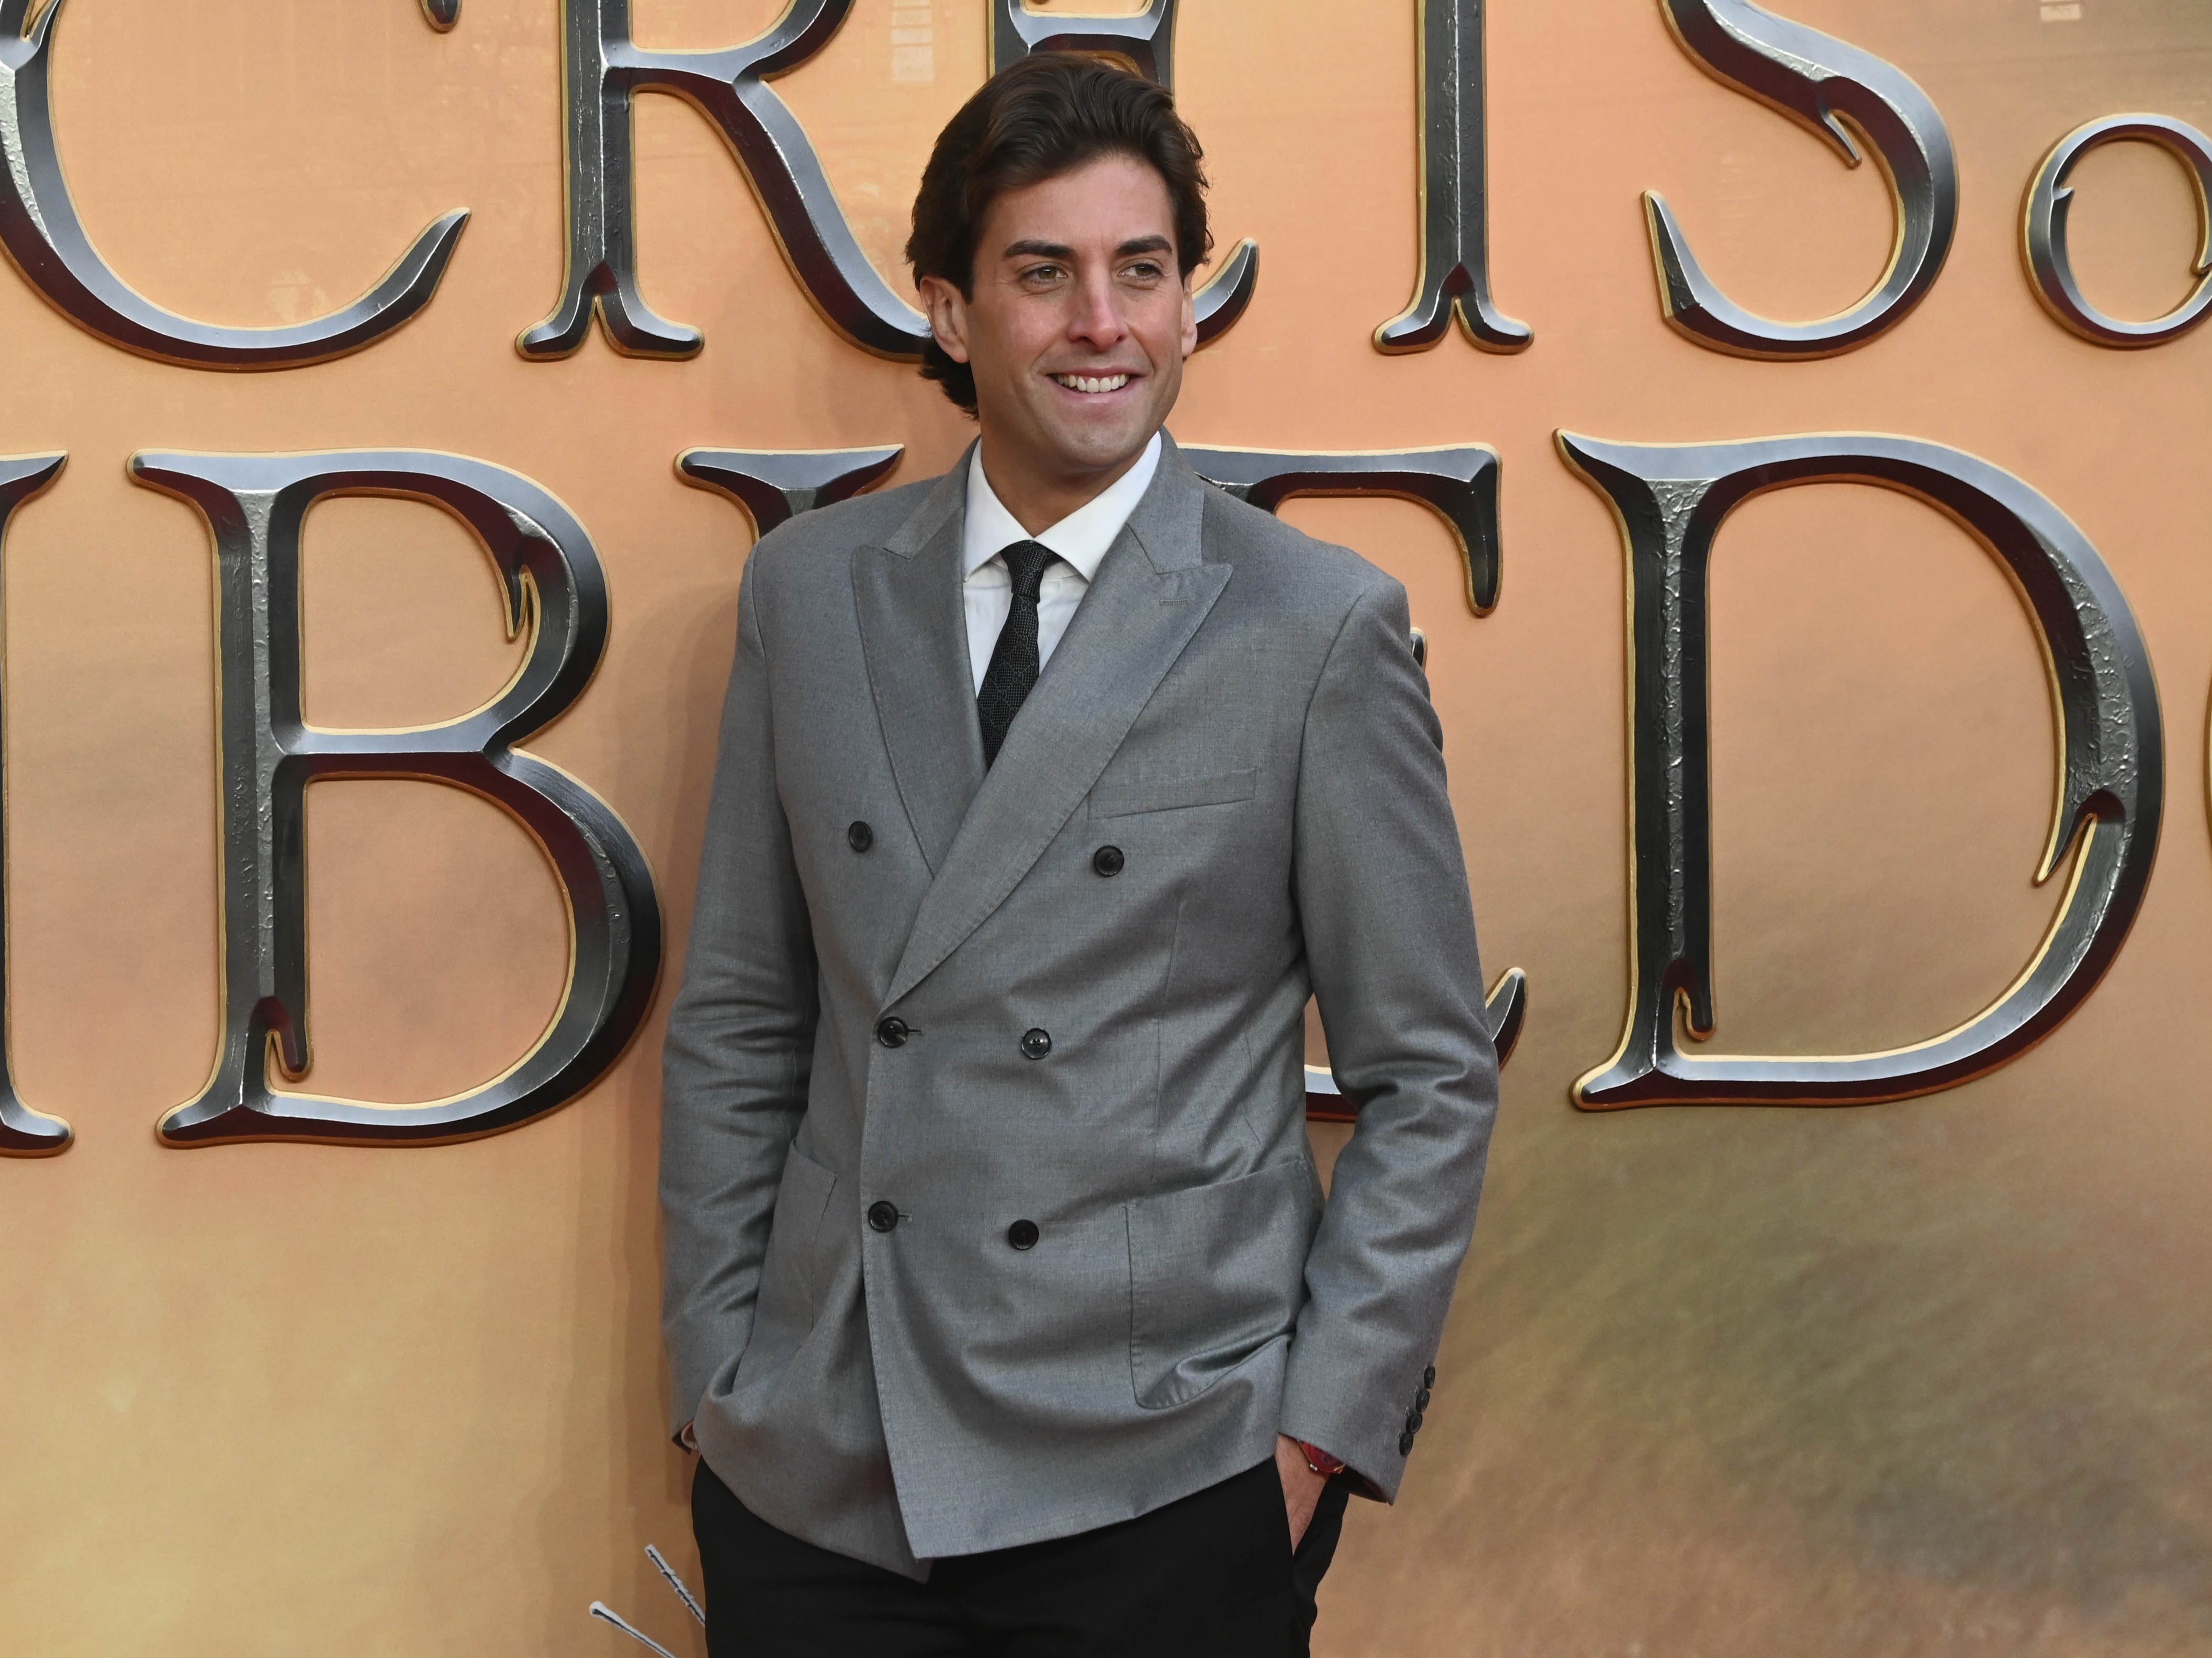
x: 1928, y: 1377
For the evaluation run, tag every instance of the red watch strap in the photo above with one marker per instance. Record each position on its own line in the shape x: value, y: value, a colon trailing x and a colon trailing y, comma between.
x: 1320, y: 1461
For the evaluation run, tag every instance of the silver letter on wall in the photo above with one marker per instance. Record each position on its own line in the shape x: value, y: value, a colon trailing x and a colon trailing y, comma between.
x: 1834, y: 90
x: 2051, y: 199
x: 774, y: 486
x: 1454, y: 274
x: 604, y: 71
x: 1459, y: 485
x: 1144, y: 42
x: 23, y: 1132
x: 1671, y: 501
x: 555, y: 590
x: 40, y: 229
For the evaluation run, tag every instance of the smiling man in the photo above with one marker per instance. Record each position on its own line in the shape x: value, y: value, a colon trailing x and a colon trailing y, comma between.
x: 1003, y: 1303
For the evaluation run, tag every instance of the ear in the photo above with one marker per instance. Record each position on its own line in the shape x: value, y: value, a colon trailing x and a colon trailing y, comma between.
x: 1189, y: 318
x: 948, y: 316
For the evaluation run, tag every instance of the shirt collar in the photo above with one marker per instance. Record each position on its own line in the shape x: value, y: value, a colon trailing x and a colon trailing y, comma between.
x: 1081, y: 538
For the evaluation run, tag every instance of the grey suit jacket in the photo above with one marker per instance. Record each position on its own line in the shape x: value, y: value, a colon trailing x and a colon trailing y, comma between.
x: 871, y: 1360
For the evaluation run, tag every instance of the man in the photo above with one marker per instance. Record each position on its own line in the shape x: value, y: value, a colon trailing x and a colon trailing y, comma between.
x: 1002, y: 1301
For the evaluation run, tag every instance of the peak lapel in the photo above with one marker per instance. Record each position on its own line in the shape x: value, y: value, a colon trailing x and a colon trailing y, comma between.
x: 913, y: 633
x: 1152, y: 591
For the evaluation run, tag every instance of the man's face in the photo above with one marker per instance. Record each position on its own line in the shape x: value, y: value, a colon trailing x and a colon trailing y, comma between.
x: 1080, y: 324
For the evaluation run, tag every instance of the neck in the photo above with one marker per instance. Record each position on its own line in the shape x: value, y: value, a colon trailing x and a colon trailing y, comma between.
x: 1038, y: 499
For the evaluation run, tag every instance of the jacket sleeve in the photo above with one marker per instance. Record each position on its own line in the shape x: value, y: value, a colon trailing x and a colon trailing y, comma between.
x: 740, y: 1041
x: 1381, y: 887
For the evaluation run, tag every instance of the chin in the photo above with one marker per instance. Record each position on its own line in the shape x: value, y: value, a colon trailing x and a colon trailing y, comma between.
x: 1094, y: 448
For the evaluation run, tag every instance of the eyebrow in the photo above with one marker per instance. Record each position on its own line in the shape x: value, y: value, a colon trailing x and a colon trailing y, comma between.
x: 1026, y: 250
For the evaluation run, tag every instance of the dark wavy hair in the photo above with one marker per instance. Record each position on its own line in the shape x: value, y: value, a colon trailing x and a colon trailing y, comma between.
x: 1048, y: 114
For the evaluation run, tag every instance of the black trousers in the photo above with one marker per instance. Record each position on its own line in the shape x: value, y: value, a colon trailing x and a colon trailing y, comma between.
x: 1211, y: 1574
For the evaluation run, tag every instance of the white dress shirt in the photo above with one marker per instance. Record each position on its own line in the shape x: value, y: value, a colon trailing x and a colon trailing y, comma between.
x: 1080, y: 539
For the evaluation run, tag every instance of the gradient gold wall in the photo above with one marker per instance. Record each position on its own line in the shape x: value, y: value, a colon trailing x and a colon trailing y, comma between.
x: 1924, y: 1378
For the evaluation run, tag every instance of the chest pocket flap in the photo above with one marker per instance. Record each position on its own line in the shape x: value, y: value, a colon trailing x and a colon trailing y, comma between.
x: 1126, y: 798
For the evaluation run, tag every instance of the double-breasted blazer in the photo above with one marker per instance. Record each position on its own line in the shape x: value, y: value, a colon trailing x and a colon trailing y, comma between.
x: 990, y: 1211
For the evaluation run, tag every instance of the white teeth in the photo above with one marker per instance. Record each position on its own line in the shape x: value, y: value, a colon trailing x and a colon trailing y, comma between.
x: 1087, y: 383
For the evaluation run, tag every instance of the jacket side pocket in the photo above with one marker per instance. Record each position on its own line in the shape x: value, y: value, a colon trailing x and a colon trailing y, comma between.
x: 784, y: 1312
x: 1215, y: 1273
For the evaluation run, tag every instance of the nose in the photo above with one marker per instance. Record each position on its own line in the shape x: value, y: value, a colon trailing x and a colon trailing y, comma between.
x: 1096, y: 321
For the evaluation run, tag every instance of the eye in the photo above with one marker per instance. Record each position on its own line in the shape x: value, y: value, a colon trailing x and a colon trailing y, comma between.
x: 1144, y: 270
x: 1042, y: 273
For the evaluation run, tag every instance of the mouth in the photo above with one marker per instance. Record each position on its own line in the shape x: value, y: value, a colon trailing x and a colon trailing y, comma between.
x: 1091, y: 385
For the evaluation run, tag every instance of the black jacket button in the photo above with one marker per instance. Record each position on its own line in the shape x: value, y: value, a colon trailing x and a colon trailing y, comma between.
x: 860, y: 837
x: 1429, y: 1376
x: 882, y: 1216
x: 1023, y: 1235
x: 1413, y: 1422
x: 1036, y: 1043
x: 1406, y: 1442
x: 1108, y: 860
x: 1421, y: 1399
x: 891, y: 1032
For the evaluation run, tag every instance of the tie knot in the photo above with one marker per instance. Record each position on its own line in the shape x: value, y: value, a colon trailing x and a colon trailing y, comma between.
x: 1025, y: 563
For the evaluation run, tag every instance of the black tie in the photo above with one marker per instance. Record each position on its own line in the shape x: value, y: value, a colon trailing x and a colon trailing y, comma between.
x: 1013, y: 670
